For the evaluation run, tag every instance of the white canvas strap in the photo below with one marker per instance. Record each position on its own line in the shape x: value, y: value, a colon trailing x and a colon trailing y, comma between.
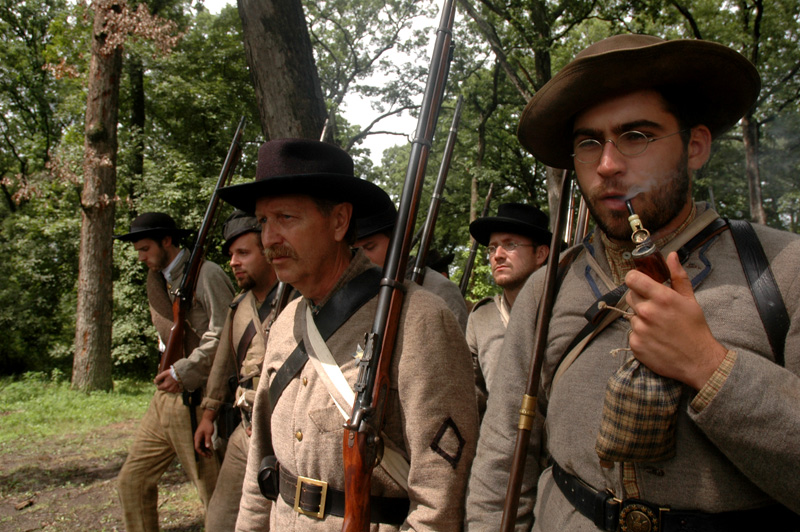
x: 343, y: 396
x: 503, y: 309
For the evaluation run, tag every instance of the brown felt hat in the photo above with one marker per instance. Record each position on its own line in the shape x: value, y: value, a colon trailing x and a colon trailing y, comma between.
x: 719, y: 83
x: 308, y: 167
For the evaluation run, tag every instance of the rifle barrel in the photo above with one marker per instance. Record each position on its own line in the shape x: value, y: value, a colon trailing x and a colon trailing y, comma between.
x: 528, y: 409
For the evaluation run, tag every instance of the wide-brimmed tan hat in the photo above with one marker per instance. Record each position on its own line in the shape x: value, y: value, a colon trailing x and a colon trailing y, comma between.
x: 720, y: 83
x: 309, y: 167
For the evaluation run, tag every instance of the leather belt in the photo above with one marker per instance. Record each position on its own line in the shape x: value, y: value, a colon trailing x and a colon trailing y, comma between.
x: 314, y: 498
x: 633, y: 515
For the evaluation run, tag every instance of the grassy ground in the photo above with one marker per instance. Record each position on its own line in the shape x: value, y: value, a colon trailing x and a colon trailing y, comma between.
x: 61, y: 450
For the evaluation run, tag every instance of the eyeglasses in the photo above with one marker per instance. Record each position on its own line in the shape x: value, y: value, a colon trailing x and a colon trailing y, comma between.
x: 629, y: 144
x: 508, y: 246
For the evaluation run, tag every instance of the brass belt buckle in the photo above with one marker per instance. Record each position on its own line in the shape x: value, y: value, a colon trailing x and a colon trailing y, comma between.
x: 639, y: 517
x: 322, y: 484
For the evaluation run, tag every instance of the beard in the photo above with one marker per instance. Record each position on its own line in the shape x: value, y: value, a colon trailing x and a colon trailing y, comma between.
x: 656, y: 207
x: 246, y: 282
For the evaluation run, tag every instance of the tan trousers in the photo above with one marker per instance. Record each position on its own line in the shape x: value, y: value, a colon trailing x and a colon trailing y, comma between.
x: 224, y: 506
x: 164, y: 433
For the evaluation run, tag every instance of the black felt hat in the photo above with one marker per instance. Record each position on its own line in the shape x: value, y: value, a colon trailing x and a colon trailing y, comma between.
x: 153, y: 225
x: 237, y: 224
x: 516, y: 218
x: 308, y: 167
x: 382, y: 219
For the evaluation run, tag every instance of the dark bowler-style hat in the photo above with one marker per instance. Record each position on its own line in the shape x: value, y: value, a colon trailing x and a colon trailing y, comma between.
x: 516, y: 218
x: 717, y: 83
x: 237, y: 224
x: 308, y: 167
x: 153, y: 225
x: 382, y: 219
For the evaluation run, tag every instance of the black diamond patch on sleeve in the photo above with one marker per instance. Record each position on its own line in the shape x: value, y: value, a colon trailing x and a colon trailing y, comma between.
x: 448, y: 442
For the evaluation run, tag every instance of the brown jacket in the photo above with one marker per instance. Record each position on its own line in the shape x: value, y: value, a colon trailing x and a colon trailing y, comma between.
x: 432, y: 389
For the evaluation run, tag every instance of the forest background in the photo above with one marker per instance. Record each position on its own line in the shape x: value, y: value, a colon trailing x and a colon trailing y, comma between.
x: 184, y: 77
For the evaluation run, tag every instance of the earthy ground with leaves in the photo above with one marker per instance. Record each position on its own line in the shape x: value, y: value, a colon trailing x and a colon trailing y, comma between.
x: 67, y: 482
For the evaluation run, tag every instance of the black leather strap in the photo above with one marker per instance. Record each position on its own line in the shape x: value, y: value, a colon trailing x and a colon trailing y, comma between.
x: 343, y: 304
x: 388, y: 510
x: 604, y: 510
x: 769, y: 301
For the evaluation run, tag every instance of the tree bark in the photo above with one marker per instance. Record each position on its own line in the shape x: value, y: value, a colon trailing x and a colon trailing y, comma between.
x: 750, y: 138
x: 279, y: 54
x: 91, y: 369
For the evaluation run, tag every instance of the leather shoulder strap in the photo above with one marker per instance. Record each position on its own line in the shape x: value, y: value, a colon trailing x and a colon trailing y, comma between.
x: 339, y: 308
x: 766, y: 294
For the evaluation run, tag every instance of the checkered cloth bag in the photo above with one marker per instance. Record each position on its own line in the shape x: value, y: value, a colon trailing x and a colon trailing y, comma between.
x: 639, y: 416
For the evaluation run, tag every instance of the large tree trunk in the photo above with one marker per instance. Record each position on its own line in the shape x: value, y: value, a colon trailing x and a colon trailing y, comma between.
x: 91, y: 369
x: 750, y: 138
x: 279, y: 54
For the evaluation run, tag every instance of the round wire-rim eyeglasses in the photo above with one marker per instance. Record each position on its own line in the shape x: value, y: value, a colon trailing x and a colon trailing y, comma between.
x: 629, y: 144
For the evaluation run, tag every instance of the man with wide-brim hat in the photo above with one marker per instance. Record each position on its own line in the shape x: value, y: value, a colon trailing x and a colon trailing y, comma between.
x: 305, y: 198
x: 517, y: 243
x: 373, y: 235
x: 165, y: 431
x: 638, y: 411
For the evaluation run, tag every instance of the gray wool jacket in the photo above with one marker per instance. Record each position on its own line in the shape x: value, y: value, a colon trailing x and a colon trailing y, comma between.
x: 431, y: 415
x: 741, y: 451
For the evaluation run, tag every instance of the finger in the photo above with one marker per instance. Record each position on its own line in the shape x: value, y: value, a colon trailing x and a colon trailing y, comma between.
x: 641, y: 284
x: 679, y: 277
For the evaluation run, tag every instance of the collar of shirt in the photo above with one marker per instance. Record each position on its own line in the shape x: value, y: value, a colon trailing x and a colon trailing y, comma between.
x: 167, y: 272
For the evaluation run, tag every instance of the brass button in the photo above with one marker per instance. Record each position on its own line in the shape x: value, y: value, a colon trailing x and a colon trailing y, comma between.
x: 305, y: 381
x: 299, y: 435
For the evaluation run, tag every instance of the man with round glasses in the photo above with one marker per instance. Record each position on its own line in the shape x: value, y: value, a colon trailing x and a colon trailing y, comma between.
x: 661, y: 407
x: 517, y: 243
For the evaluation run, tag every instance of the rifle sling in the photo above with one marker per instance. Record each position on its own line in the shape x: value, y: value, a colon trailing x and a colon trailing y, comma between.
x: 339, y: 308
x: 766, y: 294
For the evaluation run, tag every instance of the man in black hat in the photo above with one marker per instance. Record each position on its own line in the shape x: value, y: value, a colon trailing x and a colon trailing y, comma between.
x: 685, y: 415
x: 517, y: 243
x: 373, y: 234
x: 166, y: 431
x: 237, y: 366
x: 305, y: 196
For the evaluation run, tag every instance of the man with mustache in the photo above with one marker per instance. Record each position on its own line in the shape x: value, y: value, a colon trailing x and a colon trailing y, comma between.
x: 518, y: 243
x: 306, y: 197
x: 166, y: 431
x: 684, y: 415
x: 237, y: 366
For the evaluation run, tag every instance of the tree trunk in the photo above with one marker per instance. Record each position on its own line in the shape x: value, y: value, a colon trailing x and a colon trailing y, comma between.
x: 279, y: 54
x: 135, y: 69
x: 91, y: 369
x: 750, y: 138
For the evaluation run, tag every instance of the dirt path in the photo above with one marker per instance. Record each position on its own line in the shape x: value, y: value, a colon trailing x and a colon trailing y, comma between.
x: 68, y: 484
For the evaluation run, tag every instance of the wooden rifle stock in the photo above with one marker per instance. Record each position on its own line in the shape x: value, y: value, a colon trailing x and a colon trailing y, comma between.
x: 418, y: 275
x: 362, y: 442
x: 183, y: 297
x: 473, y: 253
x: 528, y: 410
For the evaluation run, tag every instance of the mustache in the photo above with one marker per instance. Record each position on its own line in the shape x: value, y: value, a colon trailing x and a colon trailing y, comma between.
x: 279, y: 250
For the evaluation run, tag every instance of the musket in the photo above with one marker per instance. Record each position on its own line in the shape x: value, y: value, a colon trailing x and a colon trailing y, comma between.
x: 418, y: 274
x: 362, y: 442
x: 474, y: 251
x: 527, y: 411
x: 183, y: 297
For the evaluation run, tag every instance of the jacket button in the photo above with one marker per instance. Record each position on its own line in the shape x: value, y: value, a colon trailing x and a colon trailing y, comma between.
x: 305, y: 381
x: 299, y: 435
